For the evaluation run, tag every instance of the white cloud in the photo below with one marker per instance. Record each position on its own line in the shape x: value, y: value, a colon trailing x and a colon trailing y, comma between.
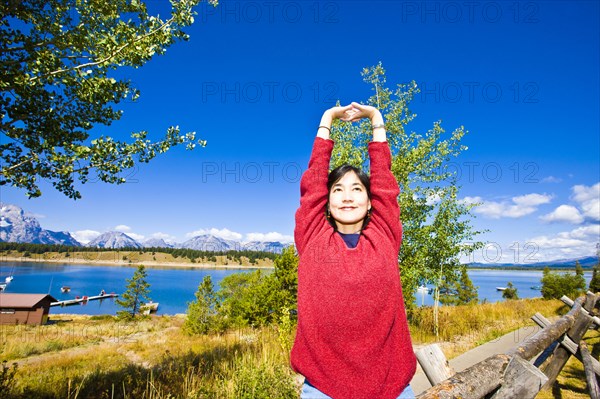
x: 532, y: 199
x: 433, y: 198
x: 137, y: 237
x: 587, y: 206
x: 221, y: 233
x: 575, y: 243
x: 551, y: 179
x: 169, y: 239
x: 85, y: 236
x: 564, y: 213
x: 518, y: 206
x: 271, y: 236
x: 588, y: 199
x: 122, y: 228
x: 35, y: 215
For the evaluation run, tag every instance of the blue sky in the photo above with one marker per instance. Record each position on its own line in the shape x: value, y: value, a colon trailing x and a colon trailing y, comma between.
x: 255, y: 76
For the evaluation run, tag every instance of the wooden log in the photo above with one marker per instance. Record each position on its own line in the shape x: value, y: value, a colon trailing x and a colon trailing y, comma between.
x: 472, y: 383
x: 561, y: 355
x: 568, y: 301
x: 567, y: 343
x: 543, y: 322
x: 434, y: 364
x: 540, y: 341
x: 521, y: 380
x: 590, y: 375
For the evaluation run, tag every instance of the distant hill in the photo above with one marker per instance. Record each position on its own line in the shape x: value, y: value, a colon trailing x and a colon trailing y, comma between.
x: 156, y: 243
x: 587, y: 262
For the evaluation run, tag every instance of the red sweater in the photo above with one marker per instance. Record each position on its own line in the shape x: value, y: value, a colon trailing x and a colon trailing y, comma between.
x: 352, y: 340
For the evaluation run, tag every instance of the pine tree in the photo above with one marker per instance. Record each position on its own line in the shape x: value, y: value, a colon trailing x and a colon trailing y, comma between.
x: 595, y: 283
x: 202, y: 312
x: 135, y: 295
x: 459, y: 291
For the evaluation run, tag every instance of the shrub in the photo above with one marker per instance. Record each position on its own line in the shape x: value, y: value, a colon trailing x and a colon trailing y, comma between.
x: 555, y: 285
x: 510, y: 292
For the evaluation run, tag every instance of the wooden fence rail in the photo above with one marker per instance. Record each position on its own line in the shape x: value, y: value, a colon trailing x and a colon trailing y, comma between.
x: 512, y: 375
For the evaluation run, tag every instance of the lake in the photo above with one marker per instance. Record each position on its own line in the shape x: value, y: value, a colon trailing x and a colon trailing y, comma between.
x: 173, y: 288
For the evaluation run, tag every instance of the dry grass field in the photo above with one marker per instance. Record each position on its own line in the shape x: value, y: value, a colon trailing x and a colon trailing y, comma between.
x: 102, y: 357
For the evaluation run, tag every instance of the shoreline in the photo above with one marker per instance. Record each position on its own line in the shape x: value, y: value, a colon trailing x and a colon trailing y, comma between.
x: 121, y: 263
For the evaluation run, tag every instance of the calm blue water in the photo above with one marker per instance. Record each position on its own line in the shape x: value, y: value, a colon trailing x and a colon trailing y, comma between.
x: 173, y: 288
x: 488, y: 280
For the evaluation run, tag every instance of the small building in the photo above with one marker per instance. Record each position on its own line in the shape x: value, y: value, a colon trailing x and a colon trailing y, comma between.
x: 25, y: 308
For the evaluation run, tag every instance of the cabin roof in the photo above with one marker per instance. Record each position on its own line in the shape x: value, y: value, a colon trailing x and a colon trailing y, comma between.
x: 23, y: 300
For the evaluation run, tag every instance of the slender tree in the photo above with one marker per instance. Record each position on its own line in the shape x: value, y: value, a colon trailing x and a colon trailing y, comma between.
x: 437, y: 227
x: 57, y: 59
x: 135, y: 295
x: 595, y: 282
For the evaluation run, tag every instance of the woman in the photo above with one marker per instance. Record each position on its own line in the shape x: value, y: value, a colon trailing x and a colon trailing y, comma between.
x: 352, y: 340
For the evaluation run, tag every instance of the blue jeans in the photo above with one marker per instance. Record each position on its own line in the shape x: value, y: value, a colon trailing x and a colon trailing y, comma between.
x: 310, y: 392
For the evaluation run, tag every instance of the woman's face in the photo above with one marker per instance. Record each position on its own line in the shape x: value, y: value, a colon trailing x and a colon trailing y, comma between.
x: 349, y: 203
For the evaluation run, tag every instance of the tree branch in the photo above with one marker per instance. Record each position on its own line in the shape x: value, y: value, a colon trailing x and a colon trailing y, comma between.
x: 111, y: 56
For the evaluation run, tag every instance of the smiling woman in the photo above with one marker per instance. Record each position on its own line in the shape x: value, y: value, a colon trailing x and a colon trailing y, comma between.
x: 352, y: 338
x: 349, y: 204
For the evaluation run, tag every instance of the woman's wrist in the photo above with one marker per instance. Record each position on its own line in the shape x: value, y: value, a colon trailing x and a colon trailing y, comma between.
x: 376, y: 118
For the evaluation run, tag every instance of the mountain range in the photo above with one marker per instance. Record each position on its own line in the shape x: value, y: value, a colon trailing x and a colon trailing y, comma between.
x: 17, y: 226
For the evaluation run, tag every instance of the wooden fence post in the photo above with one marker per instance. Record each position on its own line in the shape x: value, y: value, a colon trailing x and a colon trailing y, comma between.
x: 434, y: 364
x: 521, y: 380
x: 590, y: 376
x: 561, y: 355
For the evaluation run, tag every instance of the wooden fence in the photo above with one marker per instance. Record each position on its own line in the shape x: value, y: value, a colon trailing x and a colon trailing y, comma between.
x: 518, y: 372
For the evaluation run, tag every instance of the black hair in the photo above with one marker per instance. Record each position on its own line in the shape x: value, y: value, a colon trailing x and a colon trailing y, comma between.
x: 335, y: 175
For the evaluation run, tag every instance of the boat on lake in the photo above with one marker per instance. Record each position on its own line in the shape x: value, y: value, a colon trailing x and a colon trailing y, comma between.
x: 64, y: 289
x: 150, y: 307
x: 501, y: 288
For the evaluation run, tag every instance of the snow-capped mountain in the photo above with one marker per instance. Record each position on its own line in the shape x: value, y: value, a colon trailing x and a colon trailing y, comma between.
x: 156, y: 243
x: 114, y: 239
x: 16, y: 226
x: 209, y: 242
x: 271, y: 246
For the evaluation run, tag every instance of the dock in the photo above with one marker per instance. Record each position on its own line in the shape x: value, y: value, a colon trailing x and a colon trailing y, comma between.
x: 83, y: 299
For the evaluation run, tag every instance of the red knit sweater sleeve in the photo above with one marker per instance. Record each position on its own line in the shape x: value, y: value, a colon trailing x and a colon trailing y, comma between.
x: 310, y: 216
x: 384, y: 193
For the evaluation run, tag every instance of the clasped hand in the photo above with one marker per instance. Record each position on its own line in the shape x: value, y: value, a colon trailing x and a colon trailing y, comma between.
x: 353, y: 112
